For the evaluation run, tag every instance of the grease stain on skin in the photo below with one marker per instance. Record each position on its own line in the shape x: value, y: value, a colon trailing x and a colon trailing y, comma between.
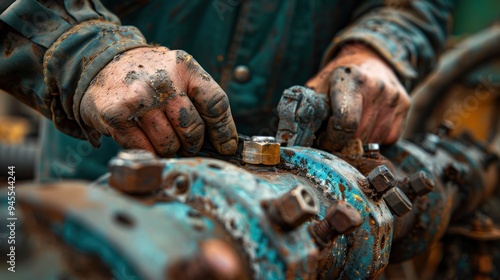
x: 184, y: 118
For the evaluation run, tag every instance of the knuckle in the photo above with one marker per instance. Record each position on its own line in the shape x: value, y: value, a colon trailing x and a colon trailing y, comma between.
x: 194, y: 132
x: 217, y: 104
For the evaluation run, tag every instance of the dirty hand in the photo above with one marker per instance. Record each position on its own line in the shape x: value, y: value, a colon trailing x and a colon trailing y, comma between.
x: 367, y: 99
x: 160, y: 100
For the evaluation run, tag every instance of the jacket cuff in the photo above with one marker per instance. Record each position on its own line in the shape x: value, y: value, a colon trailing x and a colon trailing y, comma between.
x: 72, y: 62
x: 387, y: 39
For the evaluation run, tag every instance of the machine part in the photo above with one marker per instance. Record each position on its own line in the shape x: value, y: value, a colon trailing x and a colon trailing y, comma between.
x: 455, y: 172
x: 372, y: 150
x: 217, y: 260
x: 418, y: 184
x: 397, y: 201
x: 340, y: 218
x: 102, y: 234
x: 293, y: 208
x: 136, y: 172
x: 232, y: 202
x: 261, y: 150
x: 301, y: 113
x: 480, y: 228
x: 381, y: 180
x: 464, y: 57
x: 429, y: 142
x: 22, y: 156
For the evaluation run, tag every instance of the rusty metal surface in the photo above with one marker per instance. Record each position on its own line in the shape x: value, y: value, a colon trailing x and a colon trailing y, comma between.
x: 301, y: 113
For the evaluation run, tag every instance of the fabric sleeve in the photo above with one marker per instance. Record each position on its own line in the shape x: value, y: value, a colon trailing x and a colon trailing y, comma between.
x: 52, y: 50
x: 409, y: 35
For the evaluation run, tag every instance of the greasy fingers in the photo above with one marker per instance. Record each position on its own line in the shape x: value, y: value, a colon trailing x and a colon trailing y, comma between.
x: 367, y: 99
x: 162, y: 100
x: 212, y: 104
x: 346, y: 101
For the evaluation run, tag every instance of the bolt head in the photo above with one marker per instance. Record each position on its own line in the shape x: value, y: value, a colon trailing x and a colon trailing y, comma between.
x: 398, y: 202
x: 381, y: 179
x: 421, y: 183
x: 294, y: 208
x: 261, y: 150
x: 135, y: 172
x: 343, y: 217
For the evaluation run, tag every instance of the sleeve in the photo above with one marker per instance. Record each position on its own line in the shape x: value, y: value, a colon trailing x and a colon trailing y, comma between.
x: 51, y: 50
x: 408, y: 34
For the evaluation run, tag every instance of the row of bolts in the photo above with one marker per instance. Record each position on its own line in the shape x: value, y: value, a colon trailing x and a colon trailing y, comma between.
x: 297, y: 206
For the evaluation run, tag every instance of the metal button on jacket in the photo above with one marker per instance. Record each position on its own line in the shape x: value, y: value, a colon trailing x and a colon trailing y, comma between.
x: 241, y: 73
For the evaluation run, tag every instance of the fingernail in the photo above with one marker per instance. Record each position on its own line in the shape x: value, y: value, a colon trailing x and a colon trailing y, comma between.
x: 229, y: 148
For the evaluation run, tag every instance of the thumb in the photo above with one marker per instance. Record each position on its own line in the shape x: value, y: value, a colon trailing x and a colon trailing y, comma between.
x: 347, y: 106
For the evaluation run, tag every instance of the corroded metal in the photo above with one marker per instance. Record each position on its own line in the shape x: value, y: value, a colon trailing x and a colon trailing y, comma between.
x: 136, y: 172
x: 301, y: 112
x: 261, y: 150
x: 293, y: 208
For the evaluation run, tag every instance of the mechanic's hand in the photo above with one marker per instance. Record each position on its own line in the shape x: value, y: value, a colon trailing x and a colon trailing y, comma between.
x: 160, y: 100
x: 367, y: 99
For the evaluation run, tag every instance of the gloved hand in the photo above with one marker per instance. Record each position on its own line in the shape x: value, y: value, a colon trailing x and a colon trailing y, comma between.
x: 160, y: 100
x: 367, y: 99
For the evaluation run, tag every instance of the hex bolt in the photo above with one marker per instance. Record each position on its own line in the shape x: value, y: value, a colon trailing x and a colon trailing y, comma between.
x: 340, y: 218
x: 215, y: 260
x: 261, y: 150
x: 430, y: 143
x: 135, y: 172
x: 454, y: 172
x: 381, y: 179
x: 372, y: 150
x: 444, y: 129
x: 398, y: 202
x: 136, y: 155
x: 421, y: 183
x: 293, y: 208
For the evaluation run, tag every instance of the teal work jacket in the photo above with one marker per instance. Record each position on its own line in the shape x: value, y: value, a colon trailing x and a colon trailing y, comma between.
x: 52, y: 49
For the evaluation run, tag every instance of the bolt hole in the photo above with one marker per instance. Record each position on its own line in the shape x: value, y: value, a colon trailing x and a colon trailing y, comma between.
x: 214, y: 166
x: 382, y: 242
x: 307, y: 198
x: 348, y: 70
x: 124, y: 220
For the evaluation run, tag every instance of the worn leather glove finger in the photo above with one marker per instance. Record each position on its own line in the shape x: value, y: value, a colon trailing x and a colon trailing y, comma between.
x: 144, y: 99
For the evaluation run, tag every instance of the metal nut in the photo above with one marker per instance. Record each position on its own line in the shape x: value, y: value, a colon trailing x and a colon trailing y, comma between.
x: 261, y: 150
x: 430, y: 143
x: 421, y: 183
x: 135, y: 172
x: 398, y: 202
x: 381, y: 179
x: 293, y: 208
x: 372, y: 150
x: 340, y: 218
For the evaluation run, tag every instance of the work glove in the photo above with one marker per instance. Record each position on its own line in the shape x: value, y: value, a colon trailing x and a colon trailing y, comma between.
x: 367, y: 99
x: 160, y: 100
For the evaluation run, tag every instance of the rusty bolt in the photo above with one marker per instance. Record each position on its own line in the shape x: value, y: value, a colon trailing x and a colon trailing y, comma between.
x: 261, y: 150
x: 455, y: 172
x: 381, y: 179
x: 430, y: 143
x: 397, y: 201
x: 421, y: 183
x: 372, y: 150
x: 293, y: 208
x: 135, y: 172
x: 444, y: 129
x: 340, y: 218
